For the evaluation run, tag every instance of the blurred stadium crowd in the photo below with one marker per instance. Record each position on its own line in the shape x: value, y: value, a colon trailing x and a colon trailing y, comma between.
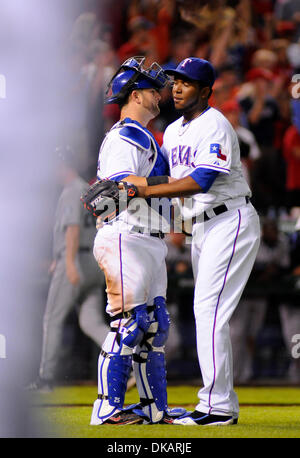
x: 255, y: 48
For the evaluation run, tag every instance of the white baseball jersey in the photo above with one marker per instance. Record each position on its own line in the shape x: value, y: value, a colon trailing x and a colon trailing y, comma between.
x: 208, y: 141
x: 223, y: 247
x: 121, y: 156
x: 133, y: 263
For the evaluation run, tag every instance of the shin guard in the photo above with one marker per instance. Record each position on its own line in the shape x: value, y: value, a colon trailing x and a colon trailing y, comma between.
x: 115, y: 362
x: 150, y: 367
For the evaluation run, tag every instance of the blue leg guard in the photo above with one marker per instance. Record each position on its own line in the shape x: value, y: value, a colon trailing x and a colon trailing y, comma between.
x: 162, y: 317
x: 149, y: 364
x: 115, y: 362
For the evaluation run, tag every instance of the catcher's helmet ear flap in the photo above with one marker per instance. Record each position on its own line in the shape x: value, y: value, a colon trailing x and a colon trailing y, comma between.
x: 133, y: 75
x: 121, y: 85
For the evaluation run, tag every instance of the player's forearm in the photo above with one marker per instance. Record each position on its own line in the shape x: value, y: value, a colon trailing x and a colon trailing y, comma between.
x: 179, y: 188
x: 137, y: 181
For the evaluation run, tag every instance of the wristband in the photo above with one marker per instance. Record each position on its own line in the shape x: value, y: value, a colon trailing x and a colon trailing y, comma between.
x: 152, y: 181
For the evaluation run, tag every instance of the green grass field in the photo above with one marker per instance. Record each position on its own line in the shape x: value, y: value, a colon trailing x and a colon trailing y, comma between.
x: 265, y: 412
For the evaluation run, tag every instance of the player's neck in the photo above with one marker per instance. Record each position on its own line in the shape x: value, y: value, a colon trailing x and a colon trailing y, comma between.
x: 194, y: 113
x: 142, y: 117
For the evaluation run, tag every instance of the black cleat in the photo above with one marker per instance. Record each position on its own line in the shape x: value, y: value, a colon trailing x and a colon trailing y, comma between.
x: 124, y: 418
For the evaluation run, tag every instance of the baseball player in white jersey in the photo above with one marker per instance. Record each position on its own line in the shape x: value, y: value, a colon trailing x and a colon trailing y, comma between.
x: 131, y: 251
x: 204, y: 158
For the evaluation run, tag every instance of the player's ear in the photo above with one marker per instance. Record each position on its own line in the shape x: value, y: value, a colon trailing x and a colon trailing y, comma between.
x: 205, y: 92
x: 136, y: 96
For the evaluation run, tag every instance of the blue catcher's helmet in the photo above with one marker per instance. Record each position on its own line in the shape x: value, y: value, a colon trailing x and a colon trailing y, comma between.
x: 133, y: 75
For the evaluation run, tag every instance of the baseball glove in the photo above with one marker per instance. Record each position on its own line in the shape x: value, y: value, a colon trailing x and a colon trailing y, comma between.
x: 108, y: 198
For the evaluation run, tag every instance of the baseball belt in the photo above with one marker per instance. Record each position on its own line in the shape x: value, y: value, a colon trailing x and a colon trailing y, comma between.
x: 217, y: 210
x: 140, y: 230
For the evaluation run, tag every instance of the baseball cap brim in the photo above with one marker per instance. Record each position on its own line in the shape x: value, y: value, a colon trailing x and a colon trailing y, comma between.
x: 178, y: 73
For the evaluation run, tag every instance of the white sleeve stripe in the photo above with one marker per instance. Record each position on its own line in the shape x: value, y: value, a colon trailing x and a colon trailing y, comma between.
x: 212, y: 167
x: 121, y: 173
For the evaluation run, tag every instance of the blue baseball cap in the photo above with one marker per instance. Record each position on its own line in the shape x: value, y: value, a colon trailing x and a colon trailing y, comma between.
x: 195, y: 69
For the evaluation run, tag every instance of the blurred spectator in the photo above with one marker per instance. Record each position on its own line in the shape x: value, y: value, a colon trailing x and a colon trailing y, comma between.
x: 219, y: 28
x: 160, y: 16
x: 288, y: 11
x: 141, y: 42
x: 102, y: 65
x: 273, y: 259
x: 262, y: 113
x: 76, y: 98
x: 291, y: 152
x: 283, y: 66
x: 260, y: 106
x: 85, y: 29
x: 267, y: 59
x: 76, y: 103
x: 226, y: 86
x: 182, y: 44
x: 250, y: 151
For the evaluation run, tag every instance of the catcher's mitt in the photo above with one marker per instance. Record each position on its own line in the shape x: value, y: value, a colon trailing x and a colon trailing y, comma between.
x: 108, y: 198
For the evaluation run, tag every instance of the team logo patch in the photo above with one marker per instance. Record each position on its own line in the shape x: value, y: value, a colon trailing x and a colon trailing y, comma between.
x: 215, y: 148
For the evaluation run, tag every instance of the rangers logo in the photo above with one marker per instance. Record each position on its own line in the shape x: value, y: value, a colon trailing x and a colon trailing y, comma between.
x: 183, y: 64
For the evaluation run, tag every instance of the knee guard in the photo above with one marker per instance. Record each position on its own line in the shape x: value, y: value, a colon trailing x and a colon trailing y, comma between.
x: 115, y: 362
x: 150, y: 367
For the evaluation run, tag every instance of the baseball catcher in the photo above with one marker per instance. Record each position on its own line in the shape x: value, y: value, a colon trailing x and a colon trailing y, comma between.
x: 130, y: 249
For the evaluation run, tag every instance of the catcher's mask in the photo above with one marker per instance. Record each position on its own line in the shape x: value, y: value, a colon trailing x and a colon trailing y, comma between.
x: 133, y: 75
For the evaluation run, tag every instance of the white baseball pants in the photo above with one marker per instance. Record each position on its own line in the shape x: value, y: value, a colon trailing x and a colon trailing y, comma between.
x: 134, y: 267
x: 223, y: 253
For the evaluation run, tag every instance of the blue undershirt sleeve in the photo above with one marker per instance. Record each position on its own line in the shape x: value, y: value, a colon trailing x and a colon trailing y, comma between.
x: 204, y: 177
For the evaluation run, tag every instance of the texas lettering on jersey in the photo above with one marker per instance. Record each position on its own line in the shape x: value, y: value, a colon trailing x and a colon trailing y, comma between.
x: 182, y: 155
